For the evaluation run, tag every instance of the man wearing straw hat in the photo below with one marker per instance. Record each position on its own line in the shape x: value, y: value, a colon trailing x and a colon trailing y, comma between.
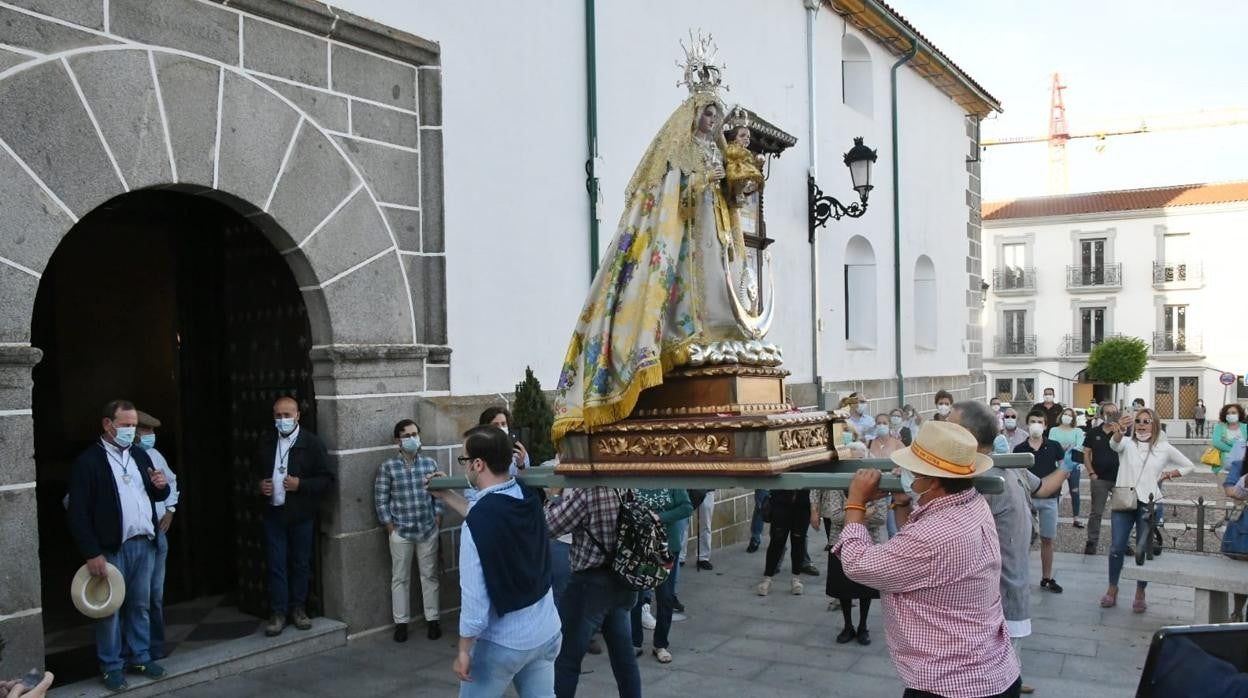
x: 940, y: 574
x: 112, y: 488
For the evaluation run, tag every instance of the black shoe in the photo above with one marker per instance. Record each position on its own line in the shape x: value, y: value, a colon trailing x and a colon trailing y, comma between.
x: 1051, y: 585
x: 677, y: 606
x: 847, y: 635
x: 1089, y: 549
x: 752, y: 547
x: 400, y: 632
x: 705, y: 565
x: 809, y: 568
x: 435, y: 630
x: 1077, y: 524
x: 864, y: 637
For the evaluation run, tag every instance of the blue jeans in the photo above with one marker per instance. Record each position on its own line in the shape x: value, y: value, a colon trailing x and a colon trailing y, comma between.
x: 1121, y: 523
x: 283, y: 541
x: 531, y: 672
x: 1073, y: 481
x: 560, y: 569
x: 682, y: 528
x: 664, y: 597
x: 157, y: 610
x: 756, y: 523
x: 595, y: 599
x: 129, y: 627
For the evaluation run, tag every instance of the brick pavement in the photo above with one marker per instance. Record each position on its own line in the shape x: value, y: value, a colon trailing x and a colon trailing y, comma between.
x: 736, y: 644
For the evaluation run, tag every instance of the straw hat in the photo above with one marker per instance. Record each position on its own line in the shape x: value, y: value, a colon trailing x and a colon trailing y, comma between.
x: 98, y: 597
x: 943, y: 449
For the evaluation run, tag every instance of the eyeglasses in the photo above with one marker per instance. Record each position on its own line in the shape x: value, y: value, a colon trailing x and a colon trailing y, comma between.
x: 464, y: 459
x: 1144, y: 422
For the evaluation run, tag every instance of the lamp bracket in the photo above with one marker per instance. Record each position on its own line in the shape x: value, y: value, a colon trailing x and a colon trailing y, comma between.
x: 824, y: 208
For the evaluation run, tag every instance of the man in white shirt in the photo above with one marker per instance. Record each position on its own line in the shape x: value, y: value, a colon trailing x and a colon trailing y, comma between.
x: 111, y: 490
x: 164, y: 519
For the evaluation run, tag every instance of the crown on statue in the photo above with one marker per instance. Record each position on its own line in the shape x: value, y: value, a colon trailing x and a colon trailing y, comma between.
x: 737, y: 117
x: 702, y: 73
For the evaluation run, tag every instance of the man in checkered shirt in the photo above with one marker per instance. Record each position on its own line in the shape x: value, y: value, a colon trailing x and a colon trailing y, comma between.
x: 594, y: 597
x: 940, y: 575
x: 412, y: 519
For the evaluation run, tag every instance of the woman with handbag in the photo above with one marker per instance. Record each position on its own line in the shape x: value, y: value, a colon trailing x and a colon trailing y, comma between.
x: 1144, y: 460
x: 827, y: 507
x: 1229, y: 429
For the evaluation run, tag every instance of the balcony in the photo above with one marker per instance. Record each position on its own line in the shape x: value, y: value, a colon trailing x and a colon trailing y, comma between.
x: 1176, y: 344
x: 1012, y: 346
x: 1081, y: 278
x: 1014, y: 281
x: 1079, y: 345
x: 1178, y: 275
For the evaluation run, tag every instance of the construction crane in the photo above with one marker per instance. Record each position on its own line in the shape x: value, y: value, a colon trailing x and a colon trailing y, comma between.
x: 1059, y: 133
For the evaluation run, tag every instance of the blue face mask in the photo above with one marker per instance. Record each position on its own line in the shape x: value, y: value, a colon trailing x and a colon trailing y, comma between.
x: 847, y: 438
x: 285, y: 425
x: 147, y: 441
x: 124, y: 436
x: 907, y: 486
x: 410, y: 444
x: 881, y: 431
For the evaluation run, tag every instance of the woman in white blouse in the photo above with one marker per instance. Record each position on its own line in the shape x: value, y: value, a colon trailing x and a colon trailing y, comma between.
x: 1143, y: 461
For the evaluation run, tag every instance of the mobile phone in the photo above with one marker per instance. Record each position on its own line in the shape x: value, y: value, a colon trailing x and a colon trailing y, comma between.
x: 32, y: 679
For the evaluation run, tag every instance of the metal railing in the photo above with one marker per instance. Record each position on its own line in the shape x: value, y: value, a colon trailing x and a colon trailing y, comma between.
x: 1197, y: 526
x: 1076, y: 344
x: 1079, y: 276
x: 1013, y: 279
x: 1176, y: 343
x: 1177, y: 272
x: 1023, y: 345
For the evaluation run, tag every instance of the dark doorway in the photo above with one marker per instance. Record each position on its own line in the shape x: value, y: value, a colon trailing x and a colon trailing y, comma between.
x: 180, y: 304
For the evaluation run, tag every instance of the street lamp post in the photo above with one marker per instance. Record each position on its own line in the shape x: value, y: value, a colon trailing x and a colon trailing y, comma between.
x: 824, y: 208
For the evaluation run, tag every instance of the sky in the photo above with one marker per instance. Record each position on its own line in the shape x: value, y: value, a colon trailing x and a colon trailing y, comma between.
x: 1120, y: 60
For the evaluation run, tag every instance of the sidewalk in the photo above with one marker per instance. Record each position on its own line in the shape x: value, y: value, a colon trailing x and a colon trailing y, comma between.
x: 737, y: 645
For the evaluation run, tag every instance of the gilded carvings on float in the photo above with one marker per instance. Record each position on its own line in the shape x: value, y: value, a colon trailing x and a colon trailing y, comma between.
x: 676, y: 445
x: 805, y: 437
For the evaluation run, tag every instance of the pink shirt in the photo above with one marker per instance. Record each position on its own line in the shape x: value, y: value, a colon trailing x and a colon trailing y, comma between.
x: 940, y: 580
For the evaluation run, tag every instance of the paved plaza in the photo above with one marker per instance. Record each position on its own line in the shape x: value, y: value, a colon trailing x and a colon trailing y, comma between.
x: 736, y: 644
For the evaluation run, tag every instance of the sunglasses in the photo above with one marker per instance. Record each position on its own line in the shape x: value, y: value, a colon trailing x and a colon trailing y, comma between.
x: 1144, y: 422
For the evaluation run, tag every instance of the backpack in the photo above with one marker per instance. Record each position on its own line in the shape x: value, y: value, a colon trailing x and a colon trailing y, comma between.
x: 641, y: 559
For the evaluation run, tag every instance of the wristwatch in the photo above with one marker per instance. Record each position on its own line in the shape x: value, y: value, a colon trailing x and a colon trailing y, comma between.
x: 171, y: 510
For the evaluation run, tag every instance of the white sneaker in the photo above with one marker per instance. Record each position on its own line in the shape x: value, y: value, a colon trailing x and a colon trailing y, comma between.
x: 679, y: 617
x: 764, y: 587
x: 797, y: 587
x: 647, y: 618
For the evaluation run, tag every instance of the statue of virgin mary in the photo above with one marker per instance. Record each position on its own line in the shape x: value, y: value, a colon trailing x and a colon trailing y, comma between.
x: 664, y: 292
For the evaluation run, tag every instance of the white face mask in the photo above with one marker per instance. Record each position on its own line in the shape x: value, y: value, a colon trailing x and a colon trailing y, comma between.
x: 1048, y: 399
x: 1010, y: 422
x: 1066, y: 420
x: 1232, y: 417
x: 943, y: 410
x: 1035, y: 430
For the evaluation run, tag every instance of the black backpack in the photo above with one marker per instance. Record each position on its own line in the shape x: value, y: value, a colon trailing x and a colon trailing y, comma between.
x: 641, y: 559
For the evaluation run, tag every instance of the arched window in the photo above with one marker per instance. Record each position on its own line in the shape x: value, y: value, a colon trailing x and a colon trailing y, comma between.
x: 860, y: 294
x: 924, y: 303
x: 855, y: 74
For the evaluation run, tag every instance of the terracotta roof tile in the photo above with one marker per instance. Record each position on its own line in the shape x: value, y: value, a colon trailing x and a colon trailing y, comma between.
x: 1120, y: 200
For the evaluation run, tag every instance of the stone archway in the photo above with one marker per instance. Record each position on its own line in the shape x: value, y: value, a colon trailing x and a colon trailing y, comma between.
x: 80, y: 127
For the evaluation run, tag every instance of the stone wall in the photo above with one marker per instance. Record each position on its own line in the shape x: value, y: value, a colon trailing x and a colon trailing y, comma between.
x: 323, y: 129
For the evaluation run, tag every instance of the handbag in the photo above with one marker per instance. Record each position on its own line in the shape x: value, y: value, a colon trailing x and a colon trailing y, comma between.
x: 1125, y: 498
x: 1235, y: 538
x: 1211, y: 456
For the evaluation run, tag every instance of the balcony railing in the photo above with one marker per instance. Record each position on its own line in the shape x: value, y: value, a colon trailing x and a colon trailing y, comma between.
x: 1076, y: 344
x: 1080, y: 277
x: 1024, y: 345
x: 1015, y: 280
x: 1178, y: 273
x: 1176, y: 343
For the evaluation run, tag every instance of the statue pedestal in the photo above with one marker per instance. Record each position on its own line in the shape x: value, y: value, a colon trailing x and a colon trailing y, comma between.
x: 729, y: 419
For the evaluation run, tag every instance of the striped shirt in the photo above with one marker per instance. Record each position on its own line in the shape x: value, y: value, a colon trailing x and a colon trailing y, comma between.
x: 530, y: 627
x: 940, y: 578
x: 400, y: 497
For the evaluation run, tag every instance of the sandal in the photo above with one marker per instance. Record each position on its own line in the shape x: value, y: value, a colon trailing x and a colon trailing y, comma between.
x: 1139, y: 605
x: 661, y: 654
x: 1109, y: 601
